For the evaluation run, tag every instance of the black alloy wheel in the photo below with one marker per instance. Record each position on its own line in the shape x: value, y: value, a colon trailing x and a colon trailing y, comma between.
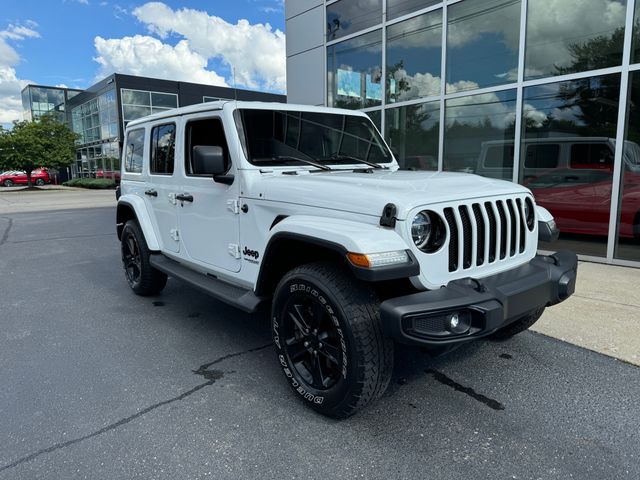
x: 329, y: 339
x: 312, y: 342
x: 141, y: 276
x: 131, y: 260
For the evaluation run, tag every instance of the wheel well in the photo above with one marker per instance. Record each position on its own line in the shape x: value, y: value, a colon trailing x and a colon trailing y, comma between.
x: 124, y: 214
x: 284, y: 255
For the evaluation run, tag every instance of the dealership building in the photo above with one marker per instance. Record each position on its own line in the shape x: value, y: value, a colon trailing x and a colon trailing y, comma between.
x: 540, y: 92
x: 100, y: 113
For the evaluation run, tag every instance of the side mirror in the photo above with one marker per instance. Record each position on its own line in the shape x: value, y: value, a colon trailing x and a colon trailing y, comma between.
x: 209, y: 160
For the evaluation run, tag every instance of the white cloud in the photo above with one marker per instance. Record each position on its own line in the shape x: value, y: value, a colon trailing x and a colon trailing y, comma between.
x: 256, y: 52
x: 10, y: 84
x: 148, y: 56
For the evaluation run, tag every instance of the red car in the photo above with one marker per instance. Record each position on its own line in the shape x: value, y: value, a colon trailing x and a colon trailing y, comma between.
x: 580, y: 200
x: 39, y: 176
x: 108, y: 174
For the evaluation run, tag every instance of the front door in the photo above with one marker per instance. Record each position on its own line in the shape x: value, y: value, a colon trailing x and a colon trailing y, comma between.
x: 207, y: 216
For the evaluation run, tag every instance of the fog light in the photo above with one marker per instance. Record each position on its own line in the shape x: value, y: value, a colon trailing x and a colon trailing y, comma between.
x: 459, y: 322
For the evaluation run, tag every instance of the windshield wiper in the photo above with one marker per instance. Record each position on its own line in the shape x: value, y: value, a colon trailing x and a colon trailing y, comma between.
x: 335, y: 156
x: 302, y: 160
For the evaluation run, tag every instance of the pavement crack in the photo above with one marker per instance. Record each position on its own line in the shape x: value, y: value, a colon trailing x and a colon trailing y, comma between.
x: 5, y: 235
x: 442, y: 378
x: 210, y: 375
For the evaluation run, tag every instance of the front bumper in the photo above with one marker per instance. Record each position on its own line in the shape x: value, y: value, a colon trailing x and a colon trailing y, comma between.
x: 485, y: 305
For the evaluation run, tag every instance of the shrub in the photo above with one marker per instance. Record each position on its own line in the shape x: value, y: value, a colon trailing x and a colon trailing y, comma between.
x: 93, y: 183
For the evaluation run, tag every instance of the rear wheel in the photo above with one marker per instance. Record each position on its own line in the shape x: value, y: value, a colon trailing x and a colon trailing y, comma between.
x: 329, y: 340
x: 8, y: 183
x: 142, y: 277
x: 518, y: 326
x: 39, y: 182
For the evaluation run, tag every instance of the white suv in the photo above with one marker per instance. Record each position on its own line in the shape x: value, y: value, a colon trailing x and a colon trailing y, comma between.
x: 305, y: 209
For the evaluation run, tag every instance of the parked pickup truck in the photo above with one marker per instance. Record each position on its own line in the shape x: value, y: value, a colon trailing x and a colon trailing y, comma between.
x: 304, y: 210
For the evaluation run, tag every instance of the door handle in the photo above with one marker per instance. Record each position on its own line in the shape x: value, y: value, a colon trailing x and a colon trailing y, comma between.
x: 184, y: 197
x: 151, y: 193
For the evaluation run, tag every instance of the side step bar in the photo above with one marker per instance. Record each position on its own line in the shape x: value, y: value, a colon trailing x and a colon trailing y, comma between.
x: 239, y: 297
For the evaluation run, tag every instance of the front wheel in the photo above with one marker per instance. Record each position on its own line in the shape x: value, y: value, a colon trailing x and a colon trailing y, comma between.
x: 142, y: 277
x: 39, y: 182
x: 329, y: 340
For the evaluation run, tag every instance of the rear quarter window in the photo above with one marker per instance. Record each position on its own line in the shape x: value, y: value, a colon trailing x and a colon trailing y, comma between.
x: 134, y: 151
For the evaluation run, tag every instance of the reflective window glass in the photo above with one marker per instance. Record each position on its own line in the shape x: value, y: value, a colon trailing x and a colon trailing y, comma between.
x: 130, y: 112
x: 134, y: 149
x: 135, y: 97
x: 482, y: 44
x: 413, y: 135
x: 543, y: 155
x: 350, y: 16
x: 355, y: 72
x: 163, y: 144
x: 397, y: 8
x: 573, y: 36
x: 628, y: 225
x: 580, y: 118
x: 166, y: 100
x: 474, y: 125
x: 414, y: 57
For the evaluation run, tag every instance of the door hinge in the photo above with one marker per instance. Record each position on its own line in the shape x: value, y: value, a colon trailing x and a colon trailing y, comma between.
x: 234, y: 205
x: 234, y: 250
x: 175, y: 234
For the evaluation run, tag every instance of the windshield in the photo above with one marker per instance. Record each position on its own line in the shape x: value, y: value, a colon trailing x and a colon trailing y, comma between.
x: 277, y: 138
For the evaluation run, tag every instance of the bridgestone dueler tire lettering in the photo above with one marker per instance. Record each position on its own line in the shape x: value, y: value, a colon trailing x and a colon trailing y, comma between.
x: 518, y: 326
x: 150, y: 281
x: 369, y: 354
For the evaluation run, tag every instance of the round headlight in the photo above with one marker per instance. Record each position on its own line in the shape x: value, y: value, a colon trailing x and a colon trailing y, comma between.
x: 421, y: 229
x: 529, y: 213
x: 428, y: 231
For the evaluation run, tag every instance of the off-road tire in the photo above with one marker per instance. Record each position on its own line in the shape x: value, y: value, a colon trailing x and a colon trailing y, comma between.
x: 518, y: 326
x: 366, y: 356
x: 144, y: 280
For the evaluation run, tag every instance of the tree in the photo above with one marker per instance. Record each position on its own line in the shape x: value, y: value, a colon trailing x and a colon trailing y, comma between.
x: 44, y: 143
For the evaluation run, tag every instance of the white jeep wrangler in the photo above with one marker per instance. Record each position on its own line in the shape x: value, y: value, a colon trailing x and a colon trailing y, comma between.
x: 305, y: 209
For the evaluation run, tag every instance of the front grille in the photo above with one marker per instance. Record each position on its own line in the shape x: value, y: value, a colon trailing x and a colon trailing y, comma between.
x: 482, y: 233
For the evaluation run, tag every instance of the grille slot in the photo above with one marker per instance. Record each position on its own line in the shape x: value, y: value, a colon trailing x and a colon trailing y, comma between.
x: 453, y: 239
x: 483, y: 233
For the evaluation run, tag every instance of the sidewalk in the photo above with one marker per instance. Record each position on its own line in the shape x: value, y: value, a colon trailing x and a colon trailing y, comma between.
x: 16, y: 199
x: 603, y: 315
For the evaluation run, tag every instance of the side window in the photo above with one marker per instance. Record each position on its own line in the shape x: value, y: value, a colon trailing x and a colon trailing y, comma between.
x: 207, y: 131
x: 163, y: 149
x: 544, y: 155
x: 591, y: 155
x: 499, y: 156
x: 134, y: 150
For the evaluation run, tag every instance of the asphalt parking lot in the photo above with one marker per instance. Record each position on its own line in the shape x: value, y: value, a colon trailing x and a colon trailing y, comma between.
x: 99, y: 383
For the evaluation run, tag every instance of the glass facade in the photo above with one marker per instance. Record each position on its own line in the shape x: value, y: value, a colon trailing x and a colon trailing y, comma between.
x: 96, y: 122
x: 140, y: 103
x: 38, y: 101
x: 538, y: 105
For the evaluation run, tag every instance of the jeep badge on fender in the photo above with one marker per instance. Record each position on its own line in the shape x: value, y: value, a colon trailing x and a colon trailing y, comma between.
x: 354, y: 256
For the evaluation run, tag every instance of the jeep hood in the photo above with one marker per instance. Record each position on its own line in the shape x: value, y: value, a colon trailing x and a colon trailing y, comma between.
x: 368, y: 193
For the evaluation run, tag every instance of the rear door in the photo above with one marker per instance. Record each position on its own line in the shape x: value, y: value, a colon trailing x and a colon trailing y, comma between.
x: 162, y: 183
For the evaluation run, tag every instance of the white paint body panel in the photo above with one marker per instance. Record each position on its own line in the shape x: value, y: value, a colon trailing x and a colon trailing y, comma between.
x: 341, y: 206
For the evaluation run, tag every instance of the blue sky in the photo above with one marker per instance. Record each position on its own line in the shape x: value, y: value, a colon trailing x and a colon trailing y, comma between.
x: 76, y: 42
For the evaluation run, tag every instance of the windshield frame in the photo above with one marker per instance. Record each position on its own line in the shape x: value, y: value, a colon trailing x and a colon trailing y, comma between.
x: 376, y: 141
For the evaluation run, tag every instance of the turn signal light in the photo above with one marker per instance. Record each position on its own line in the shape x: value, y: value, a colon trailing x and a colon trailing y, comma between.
x: 373, y: 260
